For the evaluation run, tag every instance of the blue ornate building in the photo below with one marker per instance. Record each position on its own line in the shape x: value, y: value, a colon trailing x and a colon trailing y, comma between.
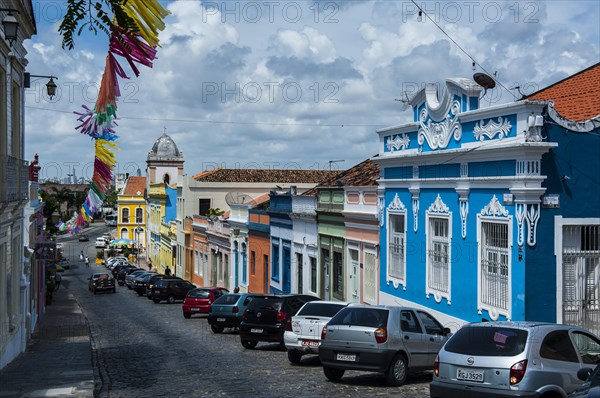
x: 469, y: 200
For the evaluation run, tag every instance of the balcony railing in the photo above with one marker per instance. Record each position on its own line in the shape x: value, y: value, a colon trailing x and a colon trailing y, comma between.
x: 14, y: 179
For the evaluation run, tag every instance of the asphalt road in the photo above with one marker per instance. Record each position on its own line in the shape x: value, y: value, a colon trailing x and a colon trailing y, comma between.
x: 143, y: 349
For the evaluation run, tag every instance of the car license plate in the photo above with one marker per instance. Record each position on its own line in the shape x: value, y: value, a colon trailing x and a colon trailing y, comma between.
x: 469, y: 375
x: 310, y: 343
x: 220, y: 319
x: 346, y: 357
x: 256, y: 330
x: 195, y: 309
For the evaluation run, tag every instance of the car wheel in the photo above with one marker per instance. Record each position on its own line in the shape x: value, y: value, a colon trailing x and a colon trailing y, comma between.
x: 187, y: 315
x: 94, y: 291
x: 114, y: 289
x: 294, y: 356
x: 249, y: 344
x: 396, y: 373
x: 217, y: 329
x: 156, y: 301
x: 170, y: 299
x: 140, y: 293
x: 333, y: 374
x: 128, y: 287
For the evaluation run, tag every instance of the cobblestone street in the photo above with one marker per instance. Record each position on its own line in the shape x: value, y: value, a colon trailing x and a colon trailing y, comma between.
x: 144, y: 349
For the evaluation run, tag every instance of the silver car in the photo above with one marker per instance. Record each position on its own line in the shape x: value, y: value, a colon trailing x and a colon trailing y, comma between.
x: 307, y: 324
x: 386, y: 339
x: 505, y: 359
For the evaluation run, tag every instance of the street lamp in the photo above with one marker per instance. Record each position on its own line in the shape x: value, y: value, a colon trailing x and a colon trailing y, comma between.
x: 50, y: 86
x: 10, y: 25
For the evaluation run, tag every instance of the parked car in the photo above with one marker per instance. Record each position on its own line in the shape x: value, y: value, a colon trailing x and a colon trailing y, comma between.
x: 140, y: 283
x: 525, y: 359
x: 227, y: 311
x: 152, y: 281
x: 170, y: 290
x: 129, y: 278
x: 101, y: 281
x: 109, y: 261
x: 198, y: 301
x: 385, y: 339
x: 123, y: 272
x: 119, y: 266
x: 267, y: 317
x: 307, y: 324
x: 100, y: 242
x: 591, y: 386
x: 84, y: 238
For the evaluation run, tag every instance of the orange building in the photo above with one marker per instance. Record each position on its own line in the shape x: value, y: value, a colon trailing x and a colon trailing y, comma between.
x: 259, y: 248
x: 200, y: 250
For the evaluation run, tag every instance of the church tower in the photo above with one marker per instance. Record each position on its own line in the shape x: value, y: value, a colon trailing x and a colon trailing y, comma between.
x: 165, y: 161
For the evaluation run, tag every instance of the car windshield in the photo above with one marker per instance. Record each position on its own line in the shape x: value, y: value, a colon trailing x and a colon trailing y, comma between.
x: 199, y: 293
x: 493, y: 341
x: 368, y: 317
x: 316, y: 308
x: 228, y: 299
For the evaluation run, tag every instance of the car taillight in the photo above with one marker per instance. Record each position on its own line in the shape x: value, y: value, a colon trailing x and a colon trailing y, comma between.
x: 381, y: 335
x: 288, y: 325
x: 235, y: 309
x: 323, y: 332
x: 281, y: 316
x: 436, y: 366
x: 517, y: 372
x: 245, y: 316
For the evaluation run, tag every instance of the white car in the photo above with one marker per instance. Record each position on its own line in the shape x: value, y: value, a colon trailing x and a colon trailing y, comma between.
x: 307, y: 324
x: 100, y: 242
x: 114, y: 260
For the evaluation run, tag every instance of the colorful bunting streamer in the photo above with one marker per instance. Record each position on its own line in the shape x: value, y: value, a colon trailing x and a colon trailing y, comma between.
x: 137, y: 47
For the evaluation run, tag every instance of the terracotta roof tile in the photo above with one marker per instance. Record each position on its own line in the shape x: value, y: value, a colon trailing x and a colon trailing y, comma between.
x: 134, y: 185
x: 576, y: 97
x: 363, y: 174
x: 272, y: 176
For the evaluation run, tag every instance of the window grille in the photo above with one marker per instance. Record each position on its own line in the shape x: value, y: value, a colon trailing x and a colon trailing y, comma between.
x: 494, y: 263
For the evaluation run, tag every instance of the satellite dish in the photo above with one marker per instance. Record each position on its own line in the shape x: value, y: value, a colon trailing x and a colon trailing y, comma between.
x: 238, y: 198
x: 485, y: 81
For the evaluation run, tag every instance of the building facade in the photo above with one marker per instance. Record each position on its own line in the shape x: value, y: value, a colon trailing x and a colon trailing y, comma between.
x: 131, y: 211
x: 463, y: 195
x: 14, y: 185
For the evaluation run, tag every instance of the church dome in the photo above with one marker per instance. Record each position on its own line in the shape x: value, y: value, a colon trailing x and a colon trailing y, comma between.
x: 165, y: 149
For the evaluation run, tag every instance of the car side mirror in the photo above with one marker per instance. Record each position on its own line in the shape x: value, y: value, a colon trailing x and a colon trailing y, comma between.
x: 447, y: 331
x: 584, y: 373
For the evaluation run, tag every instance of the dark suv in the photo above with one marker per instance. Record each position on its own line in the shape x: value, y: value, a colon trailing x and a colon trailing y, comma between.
x: 170, y: 290
x: 266, y: 318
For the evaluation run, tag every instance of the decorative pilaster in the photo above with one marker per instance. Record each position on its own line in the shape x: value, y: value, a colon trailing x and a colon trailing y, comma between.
x: 415, y: 207
x: 381, y: 209
x: 463, y: 199
x: 527, y: 213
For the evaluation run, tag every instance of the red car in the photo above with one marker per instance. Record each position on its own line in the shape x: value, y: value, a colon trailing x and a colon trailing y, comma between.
x: 198, y: 301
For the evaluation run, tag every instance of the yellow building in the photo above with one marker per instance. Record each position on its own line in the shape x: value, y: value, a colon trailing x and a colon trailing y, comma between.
x: 131, y: 208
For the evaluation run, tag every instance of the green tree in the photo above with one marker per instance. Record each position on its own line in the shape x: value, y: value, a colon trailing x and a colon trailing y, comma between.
x: 215, y: 212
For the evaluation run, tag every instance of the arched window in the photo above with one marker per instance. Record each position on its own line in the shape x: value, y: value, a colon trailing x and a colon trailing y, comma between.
x: 124, y: 233
x: 125, y: 215
x: 139, y: 215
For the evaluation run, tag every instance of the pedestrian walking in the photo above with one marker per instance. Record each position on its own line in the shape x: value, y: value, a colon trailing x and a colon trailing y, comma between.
x: 87, y: 261
x: 236, y: 289
x: 150, y: 264
x: 81, y: 256
x: 57, y: 279
x: 168, y: 271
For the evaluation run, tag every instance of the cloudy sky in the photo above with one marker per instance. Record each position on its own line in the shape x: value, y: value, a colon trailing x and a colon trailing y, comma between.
x: 293, y: 84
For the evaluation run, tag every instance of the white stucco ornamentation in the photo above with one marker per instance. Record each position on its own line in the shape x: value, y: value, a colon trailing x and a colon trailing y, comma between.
x: 438, y: 135
x: 415, y: 209
x: 380, y: 210
x: 438, y: 206
x: 494, y: 209
x: 397, y: 142
x: 491, y: 129
x: 464, y: 211
x: 527, y: 214
x: 396, y: 204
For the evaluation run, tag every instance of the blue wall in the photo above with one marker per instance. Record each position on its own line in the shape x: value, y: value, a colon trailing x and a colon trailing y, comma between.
x: 577, y: 156
x: 170, y: 204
